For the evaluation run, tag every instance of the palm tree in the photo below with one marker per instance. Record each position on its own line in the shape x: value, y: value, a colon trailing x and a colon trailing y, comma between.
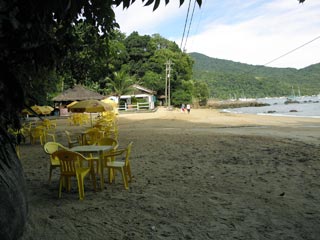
x: 121, y: 84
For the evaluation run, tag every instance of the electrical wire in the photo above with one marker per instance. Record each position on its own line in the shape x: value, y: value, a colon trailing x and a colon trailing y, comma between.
x: 185, y: 43
x: 185, y: 24
x: 200, y: 18
x: 195, y: 31
x: 283, y: 55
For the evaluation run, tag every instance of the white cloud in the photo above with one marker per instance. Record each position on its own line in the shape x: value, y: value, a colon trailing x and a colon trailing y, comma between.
x: 253, y: 32
x: 281, y: 28
x: 143, y: 19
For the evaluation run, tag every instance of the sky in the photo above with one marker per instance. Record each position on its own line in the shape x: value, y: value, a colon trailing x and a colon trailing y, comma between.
x: 256, y: 32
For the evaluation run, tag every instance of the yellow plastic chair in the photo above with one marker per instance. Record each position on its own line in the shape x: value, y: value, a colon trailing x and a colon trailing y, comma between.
x: 105, y: 141
x: 49, y: 148
x: 92, y: 136
x: 111, y: 132
x: 108, y: 126
x: 71, y: 165
x: 77, y: 119
x: 26, y: 131
x: 71, y: 141
x: 51, y: 134
x: 50, y: 126
x: 37, y: 133
x: 49, y: 123
x: 69, y: 119
x: 85, y: 118
x: 16, y: 134
x: 122, y: 166
x: 17, y: 148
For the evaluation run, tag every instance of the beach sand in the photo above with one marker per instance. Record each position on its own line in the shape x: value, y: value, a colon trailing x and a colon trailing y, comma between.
x: 203, y: 175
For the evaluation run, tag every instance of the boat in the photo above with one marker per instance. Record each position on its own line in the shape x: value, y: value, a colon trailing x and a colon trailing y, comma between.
x: 292, y: 98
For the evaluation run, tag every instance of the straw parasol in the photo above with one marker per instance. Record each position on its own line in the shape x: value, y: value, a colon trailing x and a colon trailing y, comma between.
x: 71, y: 104
x: 40, y: 110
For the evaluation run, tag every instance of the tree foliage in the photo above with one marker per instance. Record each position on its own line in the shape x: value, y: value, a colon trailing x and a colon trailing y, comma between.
x: 228, y: 79
x: 121, y: 83
x: 36, y: 35
x: 142, y: 58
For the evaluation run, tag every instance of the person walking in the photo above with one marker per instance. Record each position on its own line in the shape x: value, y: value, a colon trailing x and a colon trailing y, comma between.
x: 188, y: 108
x: 182, y: 107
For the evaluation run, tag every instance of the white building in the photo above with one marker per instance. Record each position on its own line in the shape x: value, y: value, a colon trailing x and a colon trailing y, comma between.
x: 144, y: 99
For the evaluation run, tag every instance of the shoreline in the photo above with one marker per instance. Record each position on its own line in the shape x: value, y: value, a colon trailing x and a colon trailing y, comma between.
x: 212, y: 121
x: 284, y: 115
x: 269, y: 114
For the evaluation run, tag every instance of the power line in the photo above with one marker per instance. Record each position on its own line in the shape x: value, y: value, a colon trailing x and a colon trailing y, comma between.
x: 283, y: 55
x: 185, y: 43
x: 185, y: 23
x: 201, y: 12
x: 195, y: 31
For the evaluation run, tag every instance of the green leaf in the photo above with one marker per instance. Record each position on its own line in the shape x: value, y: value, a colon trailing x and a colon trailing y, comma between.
x: 148, y: 2
x: 156, y: 5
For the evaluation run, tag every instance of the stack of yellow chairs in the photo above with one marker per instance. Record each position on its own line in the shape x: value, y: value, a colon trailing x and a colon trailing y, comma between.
x: 78, y: 119
x: 85, y: 118
x: 50, y: 126
x: 108, y: 123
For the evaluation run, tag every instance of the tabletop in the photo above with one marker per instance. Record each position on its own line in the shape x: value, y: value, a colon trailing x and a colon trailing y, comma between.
x: 91, y: 148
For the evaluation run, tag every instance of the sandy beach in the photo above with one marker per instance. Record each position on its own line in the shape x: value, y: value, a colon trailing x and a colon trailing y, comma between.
x: 203, y: 175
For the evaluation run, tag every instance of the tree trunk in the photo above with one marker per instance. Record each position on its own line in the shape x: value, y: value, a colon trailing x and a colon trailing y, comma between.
x: 13, y: 200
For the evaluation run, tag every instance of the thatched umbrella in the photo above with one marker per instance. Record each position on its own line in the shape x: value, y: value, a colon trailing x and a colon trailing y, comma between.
x: 77, y: 93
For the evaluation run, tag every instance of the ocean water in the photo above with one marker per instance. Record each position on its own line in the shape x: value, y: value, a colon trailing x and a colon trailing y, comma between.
x: 308, y: 106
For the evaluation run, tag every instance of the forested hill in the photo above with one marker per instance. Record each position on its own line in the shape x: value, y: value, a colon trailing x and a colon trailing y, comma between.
x: 233, y: 79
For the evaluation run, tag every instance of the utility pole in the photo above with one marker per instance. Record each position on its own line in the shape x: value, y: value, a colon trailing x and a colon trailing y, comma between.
x: 168, y: 87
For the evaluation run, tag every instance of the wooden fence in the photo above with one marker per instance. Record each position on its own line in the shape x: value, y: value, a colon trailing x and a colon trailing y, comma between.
x: 134, y: 107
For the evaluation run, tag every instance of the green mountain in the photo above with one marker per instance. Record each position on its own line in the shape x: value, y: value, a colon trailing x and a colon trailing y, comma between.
x: 228, y: 79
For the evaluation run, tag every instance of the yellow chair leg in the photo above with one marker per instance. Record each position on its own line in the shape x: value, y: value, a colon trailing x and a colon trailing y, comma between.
x: 124, y: 178
x: 112, y: 175
x: 60, y: 186
x: 128, y: 171
x: 80, y: 187
x: 18, y: 151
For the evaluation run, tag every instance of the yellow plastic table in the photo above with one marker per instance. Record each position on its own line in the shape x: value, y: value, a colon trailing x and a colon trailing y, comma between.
x: 98, y: 150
